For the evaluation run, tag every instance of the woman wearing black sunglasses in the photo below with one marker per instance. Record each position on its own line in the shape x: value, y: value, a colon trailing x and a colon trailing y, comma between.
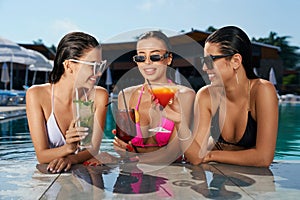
x: 154, y: 56
x: 236, y: 116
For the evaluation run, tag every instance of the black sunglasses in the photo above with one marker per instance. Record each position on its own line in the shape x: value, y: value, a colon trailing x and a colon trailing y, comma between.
x: 208, y: 60
x: 153, y: 58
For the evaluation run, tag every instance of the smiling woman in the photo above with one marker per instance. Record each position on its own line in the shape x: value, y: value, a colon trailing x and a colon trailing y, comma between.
x: 53, y: 130
x: 154, y: 120
x: 238, y: 112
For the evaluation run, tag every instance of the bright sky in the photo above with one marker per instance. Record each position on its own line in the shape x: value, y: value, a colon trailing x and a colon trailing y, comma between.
x: 24, y: 21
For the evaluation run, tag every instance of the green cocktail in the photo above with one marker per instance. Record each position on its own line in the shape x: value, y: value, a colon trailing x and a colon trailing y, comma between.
x: 85, y: 118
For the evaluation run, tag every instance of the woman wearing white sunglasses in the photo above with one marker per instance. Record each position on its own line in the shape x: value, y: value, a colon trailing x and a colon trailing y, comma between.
x: 49, y: 106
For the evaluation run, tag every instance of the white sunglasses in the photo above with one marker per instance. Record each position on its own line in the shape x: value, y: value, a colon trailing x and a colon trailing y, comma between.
x: 98, y: 67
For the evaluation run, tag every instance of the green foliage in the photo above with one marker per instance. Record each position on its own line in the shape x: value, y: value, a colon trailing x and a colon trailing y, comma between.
x: 39, y: 41
x: 211, y: 29
x: 289, y: 79
x: 53, y: 48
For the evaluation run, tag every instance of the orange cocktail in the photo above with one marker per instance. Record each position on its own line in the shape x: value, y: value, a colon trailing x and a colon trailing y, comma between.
x: 164, y: 93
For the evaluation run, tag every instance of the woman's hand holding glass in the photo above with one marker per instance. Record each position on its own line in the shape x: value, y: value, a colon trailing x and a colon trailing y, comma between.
x: 163, y: 95
x: 73, y: 137
x: 122, y: 147
x: 173, y: 110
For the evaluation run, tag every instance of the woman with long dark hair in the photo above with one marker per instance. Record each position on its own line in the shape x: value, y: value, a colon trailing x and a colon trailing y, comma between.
x: 236, y: 116
x: 49, y: 106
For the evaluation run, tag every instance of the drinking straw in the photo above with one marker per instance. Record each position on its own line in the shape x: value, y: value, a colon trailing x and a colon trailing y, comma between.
x: 127, y: 114
x: 125, y: 104
x: 86, y: 98
x: 77, y: 106
x: 160, y: 106
x: 77, y: 113
x: 149, y: 85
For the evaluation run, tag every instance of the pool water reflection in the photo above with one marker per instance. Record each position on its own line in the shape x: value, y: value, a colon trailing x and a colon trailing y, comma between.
x: 15, y: 141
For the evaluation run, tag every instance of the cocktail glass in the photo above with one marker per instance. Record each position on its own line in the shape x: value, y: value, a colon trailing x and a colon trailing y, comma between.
x: 164, y: 94
x: 84, y: 113
x: 125, y: 124
x: 125, y: 128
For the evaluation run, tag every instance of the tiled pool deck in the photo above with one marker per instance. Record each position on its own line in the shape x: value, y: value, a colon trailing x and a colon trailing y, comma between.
x: 24, y: 179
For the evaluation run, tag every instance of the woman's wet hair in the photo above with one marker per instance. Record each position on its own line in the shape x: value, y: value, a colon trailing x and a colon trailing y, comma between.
x: 73, y: 45
x: 234, y: 40
x: 158, y: 35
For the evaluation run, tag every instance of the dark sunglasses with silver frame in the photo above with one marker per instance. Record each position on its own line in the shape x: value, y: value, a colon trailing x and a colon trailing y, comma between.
x: 208, y: 60
x: 153, y: 58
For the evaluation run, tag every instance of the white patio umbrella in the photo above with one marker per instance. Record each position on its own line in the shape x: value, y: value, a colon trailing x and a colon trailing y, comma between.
x: 41, y: 64
x: 108, y: 80
x: 13, y: 53
x: 5, y: 75
x: 255, y: 71
x: 272, y: 76
x: 177, y: 76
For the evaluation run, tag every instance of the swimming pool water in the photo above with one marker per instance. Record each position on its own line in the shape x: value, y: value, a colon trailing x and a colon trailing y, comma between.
x: 15, y: 141
x: 288, y: 139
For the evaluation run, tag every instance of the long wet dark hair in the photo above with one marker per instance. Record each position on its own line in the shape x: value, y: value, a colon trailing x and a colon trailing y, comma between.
x: 234, y: 40
x: 73, y: 45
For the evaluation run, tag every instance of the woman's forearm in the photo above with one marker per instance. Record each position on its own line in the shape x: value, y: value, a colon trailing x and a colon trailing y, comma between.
x: 47, y: 155
x: 249, y: 157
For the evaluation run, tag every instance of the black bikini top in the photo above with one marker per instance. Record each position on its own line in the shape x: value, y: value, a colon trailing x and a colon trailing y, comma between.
x: 249, y: 137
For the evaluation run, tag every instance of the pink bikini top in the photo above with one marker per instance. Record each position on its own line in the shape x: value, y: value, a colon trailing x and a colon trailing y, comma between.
x: 162, y: 138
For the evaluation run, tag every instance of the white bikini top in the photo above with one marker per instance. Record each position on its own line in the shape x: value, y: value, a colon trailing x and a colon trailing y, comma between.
x: 55, y: 136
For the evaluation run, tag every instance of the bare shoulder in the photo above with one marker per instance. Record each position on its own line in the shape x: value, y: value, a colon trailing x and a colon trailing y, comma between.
x: 37, y: 91
x: 101, y: 92
x: 264, y: 95
x: 186, y: 90
x: 204, y: 97
x: 126, y: 95
x: 186, y: 94
x: 262, y: 87
x: 38, y: 96
x: 203, y: 92
x: 129, y: 90
x: 132, y: 89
